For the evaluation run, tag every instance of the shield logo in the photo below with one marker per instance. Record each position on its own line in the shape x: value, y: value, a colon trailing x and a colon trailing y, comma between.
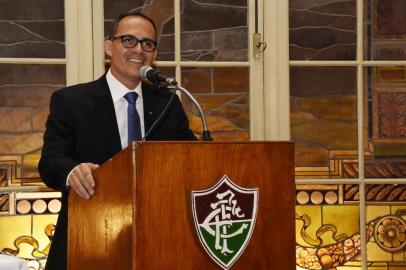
x: 224, y: 217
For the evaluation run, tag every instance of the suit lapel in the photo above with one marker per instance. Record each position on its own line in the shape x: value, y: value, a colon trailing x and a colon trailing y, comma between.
x: 154, y: 104
x: 151, y: 106
x: 107, y: 115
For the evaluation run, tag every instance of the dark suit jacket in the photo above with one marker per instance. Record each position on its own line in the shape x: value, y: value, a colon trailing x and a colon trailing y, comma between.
x: 82, y: 127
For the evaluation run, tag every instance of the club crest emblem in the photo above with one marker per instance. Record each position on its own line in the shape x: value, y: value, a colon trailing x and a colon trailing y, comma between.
x: 224, y: 217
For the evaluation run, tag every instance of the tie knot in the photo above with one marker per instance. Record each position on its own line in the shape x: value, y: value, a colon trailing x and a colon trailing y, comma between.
x: 131, y: 97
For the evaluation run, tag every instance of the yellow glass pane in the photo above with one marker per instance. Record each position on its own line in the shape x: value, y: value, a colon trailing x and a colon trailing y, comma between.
x: 11, y: 227
x: 345, y: 218
x: 43, y: 228
x: 375, y: 252
x: 349, y: 267
x: 377, y: 211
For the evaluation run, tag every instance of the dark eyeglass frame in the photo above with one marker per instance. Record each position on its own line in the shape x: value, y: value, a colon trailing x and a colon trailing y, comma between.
x: 144, y: 42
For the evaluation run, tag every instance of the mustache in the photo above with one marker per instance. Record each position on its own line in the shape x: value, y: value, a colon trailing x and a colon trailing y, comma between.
x: 135, y: 56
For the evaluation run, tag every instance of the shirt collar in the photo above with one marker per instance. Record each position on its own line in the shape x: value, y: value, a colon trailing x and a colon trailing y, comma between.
x: 118, y: 90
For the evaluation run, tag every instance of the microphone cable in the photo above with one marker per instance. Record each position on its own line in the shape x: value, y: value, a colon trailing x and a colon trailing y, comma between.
x: 160, y: 116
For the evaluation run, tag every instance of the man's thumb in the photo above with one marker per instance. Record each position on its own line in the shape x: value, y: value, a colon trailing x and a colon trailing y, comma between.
x: 94, y: 166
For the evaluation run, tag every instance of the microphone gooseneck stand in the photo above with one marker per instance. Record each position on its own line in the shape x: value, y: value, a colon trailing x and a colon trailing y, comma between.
x: 206, y: 132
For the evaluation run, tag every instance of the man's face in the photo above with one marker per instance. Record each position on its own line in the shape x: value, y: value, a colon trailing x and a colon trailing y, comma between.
x: 126, y: 62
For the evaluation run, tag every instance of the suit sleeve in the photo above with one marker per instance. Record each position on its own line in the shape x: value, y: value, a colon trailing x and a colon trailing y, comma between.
x: 57, y: 157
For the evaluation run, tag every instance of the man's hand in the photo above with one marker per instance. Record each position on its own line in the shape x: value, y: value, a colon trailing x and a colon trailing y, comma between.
x: 81, y: 180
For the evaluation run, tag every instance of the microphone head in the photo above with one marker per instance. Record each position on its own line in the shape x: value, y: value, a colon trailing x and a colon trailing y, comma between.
x: 144, y: 72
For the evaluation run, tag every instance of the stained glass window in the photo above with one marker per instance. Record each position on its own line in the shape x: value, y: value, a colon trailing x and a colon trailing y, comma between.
x: 350, y: 175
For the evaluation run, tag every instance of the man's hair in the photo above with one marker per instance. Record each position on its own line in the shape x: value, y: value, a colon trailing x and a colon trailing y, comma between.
x: 117, y: 20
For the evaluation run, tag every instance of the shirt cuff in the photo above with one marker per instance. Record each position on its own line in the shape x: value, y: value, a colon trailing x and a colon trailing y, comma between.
x: 67, y: 178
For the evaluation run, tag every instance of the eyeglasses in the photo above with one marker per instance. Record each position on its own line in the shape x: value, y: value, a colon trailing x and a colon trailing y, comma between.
x: 129, y: 41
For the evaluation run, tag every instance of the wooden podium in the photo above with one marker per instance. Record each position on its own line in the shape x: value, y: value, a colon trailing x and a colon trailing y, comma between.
x: 141, y: 215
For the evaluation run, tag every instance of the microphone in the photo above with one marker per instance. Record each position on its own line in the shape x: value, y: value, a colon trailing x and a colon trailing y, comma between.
x: 154, y: 76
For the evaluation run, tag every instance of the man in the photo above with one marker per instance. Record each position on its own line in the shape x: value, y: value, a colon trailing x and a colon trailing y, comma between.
x: 89, y: 123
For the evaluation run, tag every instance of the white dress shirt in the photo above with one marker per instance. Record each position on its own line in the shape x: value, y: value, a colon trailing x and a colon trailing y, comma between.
x: 118, y: 90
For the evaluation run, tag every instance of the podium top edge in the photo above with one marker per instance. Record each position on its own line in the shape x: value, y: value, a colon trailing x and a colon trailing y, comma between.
x: 211, y: 142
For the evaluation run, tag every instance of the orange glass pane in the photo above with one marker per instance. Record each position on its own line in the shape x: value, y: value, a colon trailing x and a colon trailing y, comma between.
x: 323, y: 120
x: 223, y: 95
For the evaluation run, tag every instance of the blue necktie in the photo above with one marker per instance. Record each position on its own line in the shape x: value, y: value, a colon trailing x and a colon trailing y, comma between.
x: 134, y: 126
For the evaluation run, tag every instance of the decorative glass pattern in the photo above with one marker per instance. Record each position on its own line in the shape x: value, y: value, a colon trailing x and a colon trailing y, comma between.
x: 385, y: 30
x: 214, y: 30
x: 385, y: 106
x: 32, y: 30
x: 223, y: 95
x: 383, y: 128
x: 24, y: 99
x: 324, y: 121
x: 327, y: 229
x: 27, y: 220
x: 320, y: 195
x: 386, y: 209
x: 322, y: 30
x: 26, y: 229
